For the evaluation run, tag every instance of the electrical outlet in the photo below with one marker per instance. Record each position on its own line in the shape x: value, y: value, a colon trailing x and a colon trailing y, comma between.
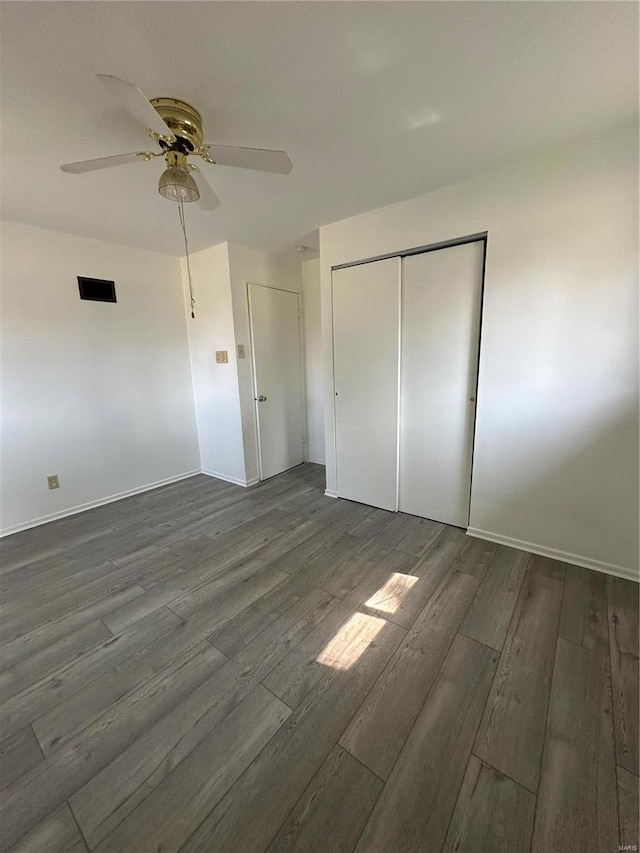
x: 222, y: 356
x: 240, y: 350
x: 53, y: 482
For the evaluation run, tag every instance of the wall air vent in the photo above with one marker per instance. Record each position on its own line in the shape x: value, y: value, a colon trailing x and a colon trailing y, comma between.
x: 97, y: 289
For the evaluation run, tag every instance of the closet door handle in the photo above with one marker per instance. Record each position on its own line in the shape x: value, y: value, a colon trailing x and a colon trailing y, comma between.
x: 261, y: 398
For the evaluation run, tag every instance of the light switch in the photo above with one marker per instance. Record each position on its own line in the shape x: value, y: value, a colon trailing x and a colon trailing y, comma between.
x: 222, y: 356
x: 240, y: 350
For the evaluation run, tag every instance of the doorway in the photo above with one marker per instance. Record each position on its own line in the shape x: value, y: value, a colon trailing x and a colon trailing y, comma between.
x: 274, y: 320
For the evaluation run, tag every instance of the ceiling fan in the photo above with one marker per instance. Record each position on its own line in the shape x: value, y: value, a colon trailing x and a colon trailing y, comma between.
x: 177, y: 129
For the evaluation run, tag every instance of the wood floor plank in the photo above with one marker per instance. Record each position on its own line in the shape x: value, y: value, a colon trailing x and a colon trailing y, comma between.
x: 236, y: 544
x: 475, y: 557
x: 67, y: 719
x: 420, y: 794
x: 150, y: 558
x: 195, y: 516
x: 57, y: 833
x: 47, y: 540
x: 373, y: 524
x: 492, y: 813
x: 348, y: 574
x: 223, y: 540
x: 71, y: 582
x: 489, y: 616
x: 390, y: 560
x: 346, y: 577
x: 38, y: 792
x: 19, y: 583
x: 167, y: 817
x: 296, y: 493
x: 341, y: 514
x: 28, y: 671
x: 622, y: 598
x: 107, y: 798
x: 298, y: 673
x: 24, y: 645
x: 228, y: 512
x: 380, y: 726
x: 19, y: 753
x: 584, y: 609
x: 143, y: 730
x: 396, y: 531
x: 628, y: 808
x: 238, y: 632
x: 155, y: 572
x: 23, y: 615
x: 251, y: 813
x: 547, y: 566
x: 511, y: 734
x: 420, y: 537
x: 256, y: 564
x: 425, y: 577
x: 333, y: 810
x: 64, y: 683
x: 577, y: 798
x: 328, y: 560
x: 229, y: 594
x: 303, y: 507
x: 299, y: 556
x: 118, y: 542
x: 179, y: 585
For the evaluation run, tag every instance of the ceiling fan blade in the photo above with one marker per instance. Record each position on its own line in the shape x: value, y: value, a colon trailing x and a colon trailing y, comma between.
x: 262, y: 159
x: 208, y: 199
x: 102, y: 162
x: 135, y: 101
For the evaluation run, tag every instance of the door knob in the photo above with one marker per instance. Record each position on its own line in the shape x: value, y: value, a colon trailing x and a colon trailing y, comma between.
x: 261, y: 398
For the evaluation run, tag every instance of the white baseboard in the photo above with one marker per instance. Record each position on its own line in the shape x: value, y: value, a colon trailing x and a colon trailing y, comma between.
x: 236, y: 481
x: 316, y: 461
x: 330, y: 493
x: 563, y: 556
x: 74, y: 510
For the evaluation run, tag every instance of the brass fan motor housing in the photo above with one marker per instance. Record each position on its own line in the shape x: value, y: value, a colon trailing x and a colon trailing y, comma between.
x: 183, y: 120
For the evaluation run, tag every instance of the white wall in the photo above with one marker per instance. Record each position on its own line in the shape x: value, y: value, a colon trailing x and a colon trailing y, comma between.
x: 215, y: 386
x: 313, y: 361
x: 223, y: 393
x: 257, y: 267
x: 97, y: 393
x: 556, y: 451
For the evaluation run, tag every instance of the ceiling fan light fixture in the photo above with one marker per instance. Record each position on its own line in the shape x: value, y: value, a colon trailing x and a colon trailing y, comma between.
x: 176, y: 184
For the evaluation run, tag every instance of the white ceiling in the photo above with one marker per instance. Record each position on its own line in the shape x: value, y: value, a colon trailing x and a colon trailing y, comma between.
x: 374, y: 101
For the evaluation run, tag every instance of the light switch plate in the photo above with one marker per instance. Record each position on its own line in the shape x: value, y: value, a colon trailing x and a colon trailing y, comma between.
x: 240, y: 350
x: 222, y: 356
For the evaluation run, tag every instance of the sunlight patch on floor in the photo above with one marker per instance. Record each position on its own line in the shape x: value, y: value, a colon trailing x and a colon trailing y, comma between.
x: 389, y: 597
x: 351, y: 641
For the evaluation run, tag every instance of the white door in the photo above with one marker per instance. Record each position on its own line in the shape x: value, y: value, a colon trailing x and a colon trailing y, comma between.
x: 441, y: 300
x: 366, y: 311
x: 277, y: 371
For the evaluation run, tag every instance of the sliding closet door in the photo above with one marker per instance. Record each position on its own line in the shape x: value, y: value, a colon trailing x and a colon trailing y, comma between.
x: 441, y: 297
x: 365, y: 347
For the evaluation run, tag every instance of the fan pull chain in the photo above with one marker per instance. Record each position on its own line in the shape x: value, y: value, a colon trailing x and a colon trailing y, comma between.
x: 186, y: 251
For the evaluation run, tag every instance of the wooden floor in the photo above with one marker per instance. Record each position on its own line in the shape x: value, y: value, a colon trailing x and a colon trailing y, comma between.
x: 208, y: 668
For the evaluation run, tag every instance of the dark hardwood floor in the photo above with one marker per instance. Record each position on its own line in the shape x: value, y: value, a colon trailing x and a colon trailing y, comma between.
x: 209, y: 668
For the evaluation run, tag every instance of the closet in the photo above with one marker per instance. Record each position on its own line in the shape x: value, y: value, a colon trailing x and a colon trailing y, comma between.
x: 406, y: 334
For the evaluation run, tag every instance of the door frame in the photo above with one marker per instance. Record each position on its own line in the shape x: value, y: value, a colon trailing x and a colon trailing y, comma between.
x: 479, y: 237
x: 254, y: 389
